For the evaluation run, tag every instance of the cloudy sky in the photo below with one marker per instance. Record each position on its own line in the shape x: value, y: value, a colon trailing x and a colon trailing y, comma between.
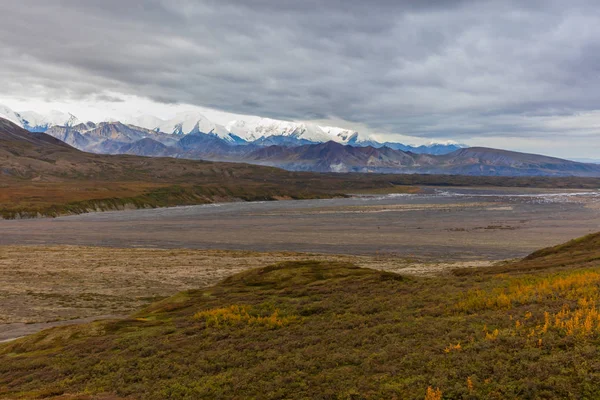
x: 522, y: 75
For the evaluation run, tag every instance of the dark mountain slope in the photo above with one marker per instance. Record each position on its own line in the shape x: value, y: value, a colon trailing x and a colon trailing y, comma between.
x: 478, y: 161
x: 333, y: 157
x: 486, y: 161
x: 288, y: 141
x: 118, y: 132
x: 202, y: 143
x: 12, y: 136
x: 146, y: 146
x: 107, y: 137
x: 69, y: 135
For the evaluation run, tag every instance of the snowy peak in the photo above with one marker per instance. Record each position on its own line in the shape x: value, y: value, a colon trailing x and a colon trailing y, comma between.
x: 36, y: 122
x: 146, y: 121
x: 266, y: 127
x: 72, y: 120
x: 311, y: 132
x: 446, y: 143
x: 84, y: 126
x: 184, y: 124
x: 239, y: 131
x: 9, y: 114
x: 347, y: 136
x: 187, y: 123
x: 260, y: 128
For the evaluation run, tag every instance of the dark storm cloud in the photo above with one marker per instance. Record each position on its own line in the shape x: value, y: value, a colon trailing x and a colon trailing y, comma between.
x: 428, y: 68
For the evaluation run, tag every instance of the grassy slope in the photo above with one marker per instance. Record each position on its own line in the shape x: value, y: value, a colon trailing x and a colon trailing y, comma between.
x: 171, y: 182
x: 54, y: 199
x: 331, y: 330
x: 582, y: 252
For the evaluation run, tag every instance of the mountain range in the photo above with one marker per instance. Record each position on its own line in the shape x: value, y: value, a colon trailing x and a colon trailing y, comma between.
x: 250, y: 130
x: 43, y: 176
x: 288, y: 145
x: 118, y: 138
x: 474, y: 161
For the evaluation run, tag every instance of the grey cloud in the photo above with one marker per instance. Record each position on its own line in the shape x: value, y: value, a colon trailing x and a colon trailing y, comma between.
x: 448, y: 68
x: 108, y: 98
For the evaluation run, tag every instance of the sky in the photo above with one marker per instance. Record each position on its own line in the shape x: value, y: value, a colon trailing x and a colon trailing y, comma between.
x: 519, y: 75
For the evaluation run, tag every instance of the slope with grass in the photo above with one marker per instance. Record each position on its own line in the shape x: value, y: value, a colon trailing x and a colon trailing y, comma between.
x: 311, y: 329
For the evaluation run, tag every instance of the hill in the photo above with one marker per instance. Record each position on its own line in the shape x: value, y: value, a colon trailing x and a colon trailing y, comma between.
x: 333, y: 157
x: 473, y: 161
x: 19, y: 139
x: 309, y: 329
x: 580, y: 252
x: 486, y: 161
x: 147, y: 146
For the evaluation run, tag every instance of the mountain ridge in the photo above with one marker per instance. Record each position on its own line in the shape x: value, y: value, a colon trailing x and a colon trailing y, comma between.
x: 330, y: 156
x: 257, y: 130
x: 296, y: 147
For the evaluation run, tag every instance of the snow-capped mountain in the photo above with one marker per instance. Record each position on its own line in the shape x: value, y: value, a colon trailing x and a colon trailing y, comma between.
x: 184, y: 124
x: 240, y: 130
x: 261, y: 128
x: 147, y: 121
x: 10, y: 115
x: 250, y: 129
x: 351, y: 137
x: 257, y: 128
x: 36, y: 122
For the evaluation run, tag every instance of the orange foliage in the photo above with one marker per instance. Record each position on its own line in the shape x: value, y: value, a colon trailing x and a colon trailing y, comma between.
x: 492, y: 335
x: 572, y: 286
x: 580, y: 316
x: 235, y: 314
x: 453, y: 347
x: 433, y: 394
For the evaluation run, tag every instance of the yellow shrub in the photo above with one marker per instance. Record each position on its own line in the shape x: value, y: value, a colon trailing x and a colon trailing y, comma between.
x: 571, y: 286
x: 235, y: 314
x: 453, y: 347
x: 433, y: 394
x: 492, y: 335
x: 582, y: 321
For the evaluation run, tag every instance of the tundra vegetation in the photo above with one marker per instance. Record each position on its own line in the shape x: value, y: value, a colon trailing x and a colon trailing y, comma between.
x: 219, y: 182
x: 329, y: 329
